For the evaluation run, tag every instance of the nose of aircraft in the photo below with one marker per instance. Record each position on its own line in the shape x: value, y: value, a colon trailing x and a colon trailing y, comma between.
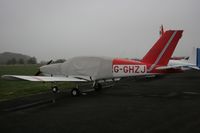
x: 52, y: 69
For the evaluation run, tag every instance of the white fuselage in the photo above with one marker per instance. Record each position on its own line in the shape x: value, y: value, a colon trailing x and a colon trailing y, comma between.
x: 95, y: 68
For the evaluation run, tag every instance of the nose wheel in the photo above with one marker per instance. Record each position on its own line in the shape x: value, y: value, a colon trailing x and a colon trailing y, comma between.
x: 55, y: 89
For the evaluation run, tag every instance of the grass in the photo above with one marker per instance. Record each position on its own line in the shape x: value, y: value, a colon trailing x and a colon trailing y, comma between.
x: 15, y: 89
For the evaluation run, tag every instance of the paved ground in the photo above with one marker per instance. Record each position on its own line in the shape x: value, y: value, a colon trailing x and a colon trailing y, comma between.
x: 171, y: 104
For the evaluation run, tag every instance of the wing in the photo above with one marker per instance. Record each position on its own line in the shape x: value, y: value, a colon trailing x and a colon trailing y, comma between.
x: 44, y: 78
x: 178, y: 67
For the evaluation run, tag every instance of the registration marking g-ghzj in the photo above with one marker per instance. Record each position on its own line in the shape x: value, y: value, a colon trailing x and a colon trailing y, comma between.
x: 122, y: 70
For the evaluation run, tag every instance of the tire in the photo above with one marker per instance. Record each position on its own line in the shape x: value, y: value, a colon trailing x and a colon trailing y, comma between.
x: 98, y: 87
x: 75, y: 92
x: 55, y: 89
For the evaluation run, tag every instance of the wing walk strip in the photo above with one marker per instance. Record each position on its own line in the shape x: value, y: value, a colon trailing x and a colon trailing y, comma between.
x: 37, y: 78
x: 162, y: 52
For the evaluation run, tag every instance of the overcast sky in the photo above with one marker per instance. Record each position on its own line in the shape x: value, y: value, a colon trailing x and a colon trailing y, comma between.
x: 52, y: 29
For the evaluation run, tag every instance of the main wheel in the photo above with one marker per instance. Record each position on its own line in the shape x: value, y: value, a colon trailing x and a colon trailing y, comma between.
x: 75, y: 92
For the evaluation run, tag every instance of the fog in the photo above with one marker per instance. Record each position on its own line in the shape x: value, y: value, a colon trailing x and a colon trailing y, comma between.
x: 52, y: 29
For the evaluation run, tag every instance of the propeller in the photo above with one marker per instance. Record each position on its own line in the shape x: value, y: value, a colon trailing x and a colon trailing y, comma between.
x: 49, y: 62
x: 39, y: 72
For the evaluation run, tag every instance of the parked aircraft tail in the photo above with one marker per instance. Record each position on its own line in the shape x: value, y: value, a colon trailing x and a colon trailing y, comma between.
x: 195, y: 56
x: 198, y: 57
x: 163, y: 49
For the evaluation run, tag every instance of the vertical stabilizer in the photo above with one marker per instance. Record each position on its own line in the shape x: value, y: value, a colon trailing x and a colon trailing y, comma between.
x: 163, y: 49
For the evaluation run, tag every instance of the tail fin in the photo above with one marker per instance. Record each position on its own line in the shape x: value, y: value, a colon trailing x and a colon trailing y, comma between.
x: 163, y: 49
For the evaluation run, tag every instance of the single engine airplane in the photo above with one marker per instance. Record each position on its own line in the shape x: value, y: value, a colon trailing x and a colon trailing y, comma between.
x: 98, y: 70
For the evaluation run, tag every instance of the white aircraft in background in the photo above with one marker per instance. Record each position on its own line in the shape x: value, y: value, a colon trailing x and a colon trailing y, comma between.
x: 98, y: 70
x: 186, y: 63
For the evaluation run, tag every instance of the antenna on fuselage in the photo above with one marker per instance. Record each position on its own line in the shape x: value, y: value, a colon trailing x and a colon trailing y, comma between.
x: 161, y: 32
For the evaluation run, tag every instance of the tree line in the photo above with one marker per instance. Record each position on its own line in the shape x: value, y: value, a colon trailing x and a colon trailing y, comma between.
x: 14, y: 61
x: 31, y: 60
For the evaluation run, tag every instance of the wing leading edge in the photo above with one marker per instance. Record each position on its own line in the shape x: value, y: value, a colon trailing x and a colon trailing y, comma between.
x: 43, y: 78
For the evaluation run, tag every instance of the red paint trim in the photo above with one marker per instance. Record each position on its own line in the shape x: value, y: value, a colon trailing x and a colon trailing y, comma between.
x: 158, y: 47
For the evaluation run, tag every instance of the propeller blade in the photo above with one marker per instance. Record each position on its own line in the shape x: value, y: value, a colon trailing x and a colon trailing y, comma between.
x: 49, y: 62
x: 38, y: 73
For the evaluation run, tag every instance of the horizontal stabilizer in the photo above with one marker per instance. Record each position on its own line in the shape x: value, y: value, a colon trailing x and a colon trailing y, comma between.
x: 177, y: 67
